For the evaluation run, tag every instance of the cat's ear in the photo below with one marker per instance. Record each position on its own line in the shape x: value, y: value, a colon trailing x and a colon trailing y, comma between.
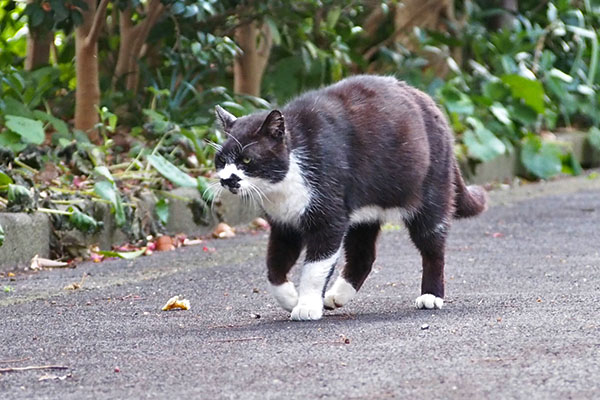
x: 274, y: 125
x: 224, y: 117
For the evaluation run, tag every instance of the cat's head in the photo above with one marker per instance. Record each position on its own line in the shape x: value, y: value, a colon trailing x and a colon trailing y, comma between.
x: 255, y: 155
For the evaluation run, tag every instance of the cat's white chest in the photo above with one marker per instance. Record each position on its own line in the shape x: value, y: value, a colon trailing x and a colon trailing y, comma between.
x: 288, y: 200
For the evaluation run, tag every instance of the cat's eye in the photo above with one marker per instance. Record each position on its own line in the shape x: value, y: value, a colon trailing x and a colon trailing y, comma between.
x: 246, y: 160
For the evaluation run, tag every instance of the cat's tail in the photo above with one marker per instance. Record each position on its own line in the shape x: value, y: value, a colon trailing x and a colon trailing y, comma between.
x: 470, y: 200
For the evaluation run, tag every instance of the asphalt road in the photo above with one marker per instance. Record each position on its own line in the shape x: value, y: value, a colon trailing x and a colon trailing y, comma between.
x: 521, y: 319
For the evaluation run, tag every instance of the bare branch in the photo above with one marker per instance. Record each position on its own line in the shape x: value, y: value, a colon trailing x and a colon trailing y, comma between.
x: 99, y: 18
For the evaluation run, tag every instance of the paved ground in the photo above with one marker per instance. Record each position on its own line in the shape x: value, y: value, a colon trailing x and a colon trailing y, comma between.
x: 521, y: 319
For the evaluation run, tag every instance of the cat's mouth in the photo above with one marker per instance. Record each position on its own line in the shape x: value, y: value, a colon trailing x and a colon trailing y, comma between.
x: 233, y: 190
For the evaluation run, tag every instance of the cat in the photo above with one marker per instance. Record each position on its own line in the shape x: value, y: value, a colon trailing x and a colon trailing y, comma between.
x: 330, y: 167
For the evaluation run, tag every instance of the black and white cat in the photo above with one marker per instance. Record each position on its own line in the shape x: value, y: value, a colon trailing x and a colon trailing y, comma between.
x: 330, y: 167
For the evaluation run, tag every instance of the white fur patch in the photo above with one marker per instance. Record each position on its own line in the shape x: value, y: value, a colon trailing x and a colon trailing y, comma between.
x: 312, y: 282
x: 429, y: 301
x: 308, y: 309
x: 285, y: 294
x: 369, y: 214
x: 286, y: 201
x: 341, y: 292
x: 229, y: 170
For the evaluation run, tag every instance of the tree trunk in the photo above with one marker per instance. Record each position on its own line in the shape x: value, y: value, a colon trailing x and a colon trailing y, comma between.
x: 249, y: 65
x: 408, y: 14
x: 87, y: 94
x: 38, y: 49
x: 132, y: 43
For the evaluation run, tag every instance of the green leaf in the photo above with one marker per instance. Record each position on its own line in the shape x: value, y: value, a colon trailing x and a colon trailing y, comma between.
x: 60, y: 11
x: 30, y: 130
x: 1, y: 235
x: 59, y: 125
x: 178, y: 8
x: 127, y: 255
x: 83, y: 222
x: 102, y: 171
x: 11, y: 141
x: 35, y: 13
x: 332, y: 17
x: 501, y: 113
x: 481, y: 143
x: 162, y: 210
x: 5, y: 179
x: 495, y: 90
x: 108, y: 191
x: 524, y: 114
x: 543, y: 159
x: 274, y: 31
x: 594, y: 137
x: 456, y: 101
x: 18, y: 194
x: 160, y: 124
x: 570, y: 165
x: 171, y: 172
x: 530, y: 91
x: 15, y: 107
x: 191, y: 10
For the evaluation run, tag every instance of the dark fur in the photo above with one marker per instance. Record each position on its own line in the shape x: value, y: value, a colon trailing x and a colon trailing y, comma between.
x: 365, y: 141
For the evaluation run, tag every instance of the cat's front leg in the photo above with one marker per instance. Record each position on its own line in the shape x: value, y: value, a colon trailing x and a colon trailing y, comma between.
x: 285, y: 244
x: 322, y: 253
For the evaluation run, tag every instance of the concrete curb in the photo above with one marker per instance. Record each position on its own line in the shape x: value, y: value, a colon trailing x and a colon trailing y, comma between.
x: 508, y: 166
x: 30, y: 234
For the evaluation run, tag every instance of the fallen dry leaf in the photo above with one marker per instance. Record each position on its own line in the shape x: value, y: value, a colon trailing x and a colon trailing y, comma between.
x: 39, y: 263
x: 192, y: 242
x: 259, y: 223
x: 76, y: 285
x: 175, y: 302
x: 49, y: 377
x: 223, y: 231
x: 164, y: 243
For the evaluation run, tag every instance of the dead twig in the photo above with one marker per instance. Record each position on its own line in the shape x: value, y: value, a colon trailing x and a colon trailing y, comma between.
x: 238, y: 339
x: 229, y: 326
x: 14, y: 361
x: 32, y: 367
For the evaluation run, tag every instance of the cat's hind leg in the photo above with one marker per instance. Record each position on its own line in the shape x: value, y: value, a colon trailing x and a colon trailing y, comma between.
x: 285, y: 245
x: 428, y: 231
x: 359, y: 248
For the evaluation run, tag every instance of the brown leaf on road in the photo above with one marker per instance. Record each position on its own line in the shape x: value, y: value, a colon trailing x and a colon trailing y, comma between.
x: 164, y: 243
x: 223, y: 231
x: 259, y: 223
x: 39, y: 263
x: 176, y: 303
x: 76, y: 285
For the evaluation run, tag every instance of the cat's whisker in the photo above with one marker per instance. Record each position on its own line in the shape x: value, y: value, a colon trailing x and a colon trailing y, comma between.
x: 214, y: 145
x: 236, y: 140
x: 217, y: 191
x: 248, y: 145
x: 257, y: 195
x: 262, y: 196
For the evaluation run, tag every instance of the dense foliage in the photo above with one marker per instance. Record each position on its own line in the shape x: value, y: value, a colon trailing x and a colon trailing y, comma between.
x: 503, y: 89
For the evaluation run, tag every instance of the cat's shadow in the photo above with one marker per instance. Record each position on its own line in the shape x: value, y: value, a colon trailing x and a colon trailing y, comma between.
x: 277, y: 321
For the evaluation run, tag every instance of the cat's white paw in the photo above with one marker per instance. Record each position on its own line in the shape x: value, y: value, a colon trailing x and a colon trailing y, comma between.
x: 308, y: 308
x: 341, y: 292
x: 285, y: 294
x: 429, y: 301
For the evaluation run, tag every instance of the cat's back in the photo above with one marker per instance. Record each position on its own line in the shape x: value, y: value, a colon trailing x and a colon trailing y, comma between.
x: 364, y: 100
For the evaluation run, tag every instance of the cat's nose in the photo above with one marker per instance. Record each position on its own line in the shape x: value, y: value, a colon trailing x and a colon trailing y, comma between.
x: 231, y: 183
